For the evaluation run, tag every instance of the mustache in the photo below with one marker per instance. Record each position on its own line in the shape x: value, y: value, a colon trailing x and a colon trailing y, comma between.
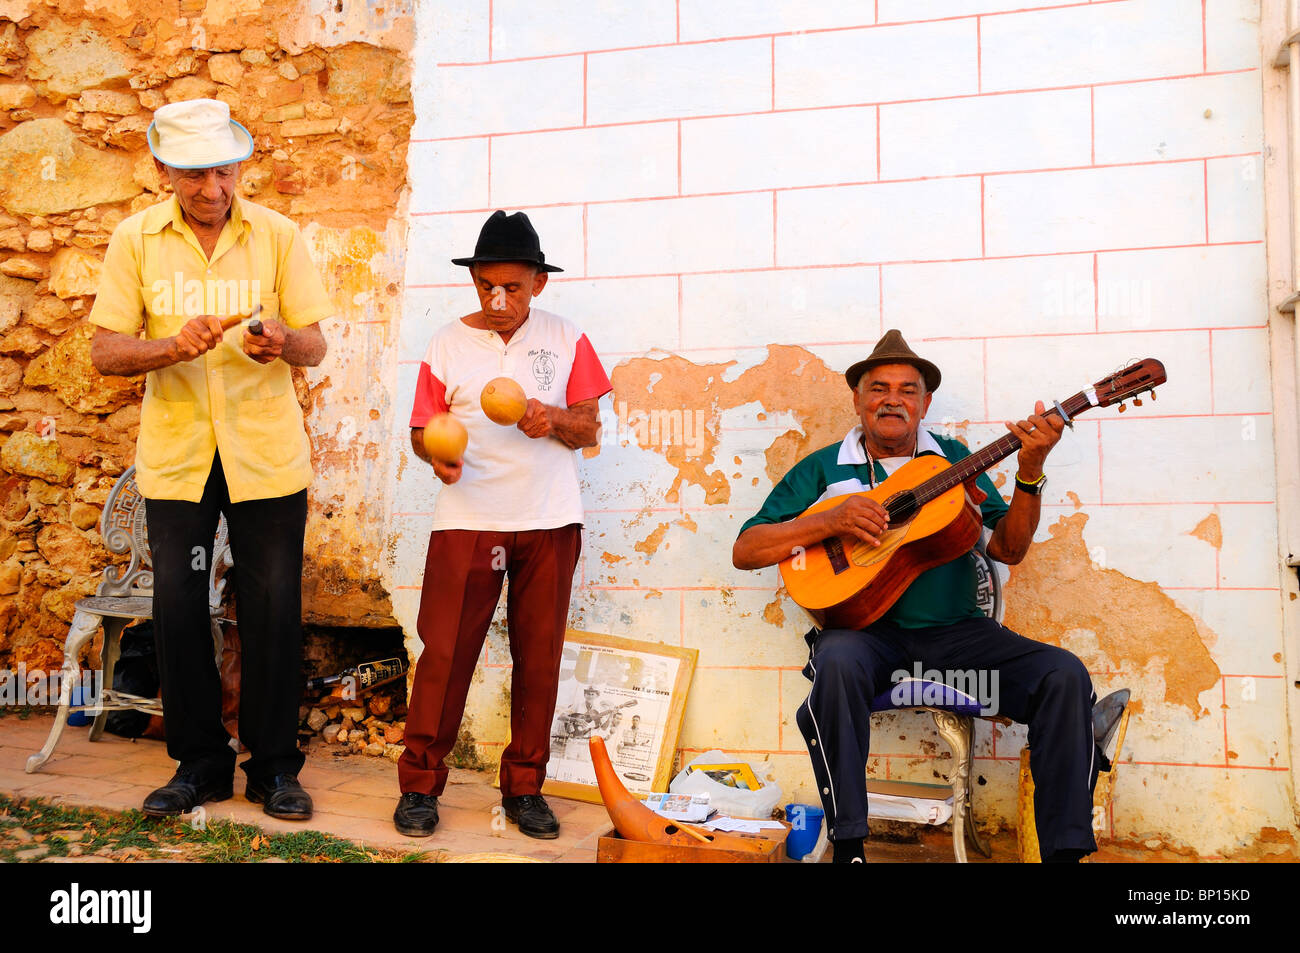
x: 894, y: 412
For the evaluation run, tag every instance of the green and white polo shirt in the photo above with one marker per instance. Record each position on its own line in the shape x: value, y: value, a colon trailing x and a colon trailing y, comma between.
x: 939, y: 596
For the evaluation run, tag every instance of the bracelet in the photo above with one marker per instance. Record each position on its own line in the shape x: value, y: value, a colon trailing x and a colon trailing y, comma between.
x: 1033, y: 488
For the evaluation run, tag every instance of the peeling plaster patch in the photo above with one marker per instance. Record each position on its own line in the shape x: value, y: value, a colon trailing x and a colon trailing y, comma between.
x: 650, y: 545
x: 611, y: 560
x: 1210, y: 530
x: 1059, y: 596
x: 790, y: 379
x: 774, y: 612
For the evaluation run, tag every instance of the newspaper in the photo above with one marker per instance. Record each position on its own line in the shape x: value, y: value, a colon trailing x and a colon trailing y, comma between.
x: 621, y: 695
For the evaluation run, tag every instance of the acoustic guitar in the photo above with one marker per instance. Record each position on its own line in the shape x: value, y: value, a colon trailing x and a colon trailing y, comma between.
x: 844, y: 583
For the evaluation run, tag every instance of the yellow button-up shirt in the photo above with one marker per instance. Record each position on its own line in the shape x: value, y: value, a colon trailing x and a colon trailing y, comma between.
x: 156, y: 276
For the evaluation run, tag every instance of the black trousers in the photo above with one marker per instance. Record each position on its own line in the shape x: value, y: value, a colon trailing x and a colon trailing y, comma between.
x: 266, y: 539
x: 1040, y: 685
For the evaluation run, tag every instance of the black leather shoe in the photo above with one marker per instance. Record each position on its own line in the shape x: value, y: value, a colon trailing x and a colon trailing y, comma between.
x: 281, y: 796
x: 416, y: 815
x: 533, y: 816
x: 186, y: 791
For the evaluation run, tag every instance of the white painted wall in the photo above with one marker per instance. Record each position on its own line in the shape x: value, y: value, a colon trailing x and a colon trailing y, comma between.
x: 1032, y: 196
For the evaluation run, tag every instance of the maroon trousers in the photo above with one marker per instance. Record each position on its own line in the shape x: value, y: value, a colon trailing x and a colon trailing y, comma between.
x: 462, y: 585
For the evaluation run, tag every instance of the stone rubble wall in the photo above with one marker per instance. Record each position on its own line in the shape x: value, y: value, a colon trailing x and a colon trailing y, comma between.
x: 78, y: 86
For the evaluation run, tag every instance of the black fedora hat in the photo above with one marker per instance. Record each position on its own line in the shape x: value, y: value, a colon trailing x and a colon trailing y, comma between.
x: 892, y: 349
x: 508, y: 238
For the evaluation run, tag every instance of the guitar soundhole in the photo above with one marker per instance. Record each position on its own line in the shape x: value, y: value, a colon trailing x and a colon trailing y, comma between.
x: 901, y: 507
x: 835, y: 553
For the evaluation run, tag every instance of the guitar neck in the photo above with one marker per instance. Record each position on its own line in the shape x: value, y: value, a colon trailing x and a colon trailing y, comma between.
x: 987, y: 456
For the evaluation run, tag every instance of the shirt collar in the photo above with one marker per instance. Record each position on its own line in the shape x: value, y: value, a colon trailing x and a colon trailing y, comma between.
x: 158, y: 217
x: 852, y: 452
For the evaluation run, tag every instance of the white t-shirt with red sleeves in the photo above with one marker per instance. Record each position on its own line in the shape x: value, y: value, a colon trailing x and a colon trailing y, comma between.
x: 510, y: 482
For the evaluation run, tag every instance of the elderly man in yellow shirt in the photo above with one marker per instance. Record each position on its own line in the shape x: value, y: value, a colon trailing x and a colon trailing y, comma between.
x: 220, y: 432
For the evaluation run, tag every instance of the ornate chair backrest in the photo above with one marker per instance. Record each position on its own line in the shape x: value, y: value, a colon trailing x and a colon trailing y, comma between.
x: 124, y: 530
x: 988, y: 585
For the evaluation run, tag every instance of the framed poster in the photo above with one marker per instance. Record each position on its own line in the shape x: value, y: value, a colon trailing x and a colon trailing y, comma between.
x: 633, y: 695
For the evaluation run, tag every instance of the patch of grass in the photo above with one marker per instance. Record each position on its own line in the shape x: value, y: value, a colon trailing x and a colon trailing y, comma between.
x: 217, y: 841
x: 23, y: 712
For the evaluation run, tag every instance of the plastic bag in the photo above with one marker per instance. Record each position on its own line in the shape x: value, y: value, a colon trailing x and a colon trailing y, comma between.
x: 736, y: 802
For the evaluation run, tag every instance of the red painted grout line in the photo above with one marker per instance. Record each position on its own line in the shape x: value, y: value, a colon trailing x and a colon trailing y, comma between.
x: 1067, y: 507
x: 584, y: 89
x: 772, y: 71
x: 859, y: 105
x: 983, y: 246
x: 1197, y: 764
x: 911, y: 261
x: 679, y: 157
x: 1204, y: 160
x: 490, y: 12
x: 1227, y: 675
x: 646, y: 509
x: 778, y: 33
x: 1221, y: 588
x: 774, y: 259
x: 1205, y: 190
x: 677, y: 13
x: 876, y: 14
x: 1205, y: 56
x: 877, y: 143
x: 1177, y: 503
x: 729, y: 588
x: 765, y: 428
x: 979, y: 58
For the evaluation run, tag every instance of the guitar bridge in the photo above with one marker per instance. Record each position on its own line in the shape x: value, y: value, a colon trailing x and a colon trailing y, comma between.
x: 835, y: 553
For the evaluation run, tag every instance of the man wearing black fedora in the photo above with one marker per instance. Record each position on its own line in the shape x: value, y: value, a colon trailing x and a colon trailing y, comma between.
x: 937, y: 621
x: 510, y: 507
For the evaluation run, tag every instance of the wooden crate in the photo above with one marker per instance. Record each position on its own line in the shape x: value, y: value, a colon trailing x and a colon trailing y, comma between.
x: 612, y: 849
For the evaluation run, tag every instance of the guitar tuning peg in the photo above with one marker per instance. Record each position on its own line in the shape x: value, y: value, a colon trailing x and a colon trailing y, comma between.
x: 1122, y: 408
x: 1152, y: 392
x: 1137, y: 402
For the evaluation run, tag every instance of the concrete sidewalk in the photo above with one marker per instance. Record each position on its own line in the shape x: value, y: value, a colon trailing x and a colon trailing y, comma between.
x: 354, y: 796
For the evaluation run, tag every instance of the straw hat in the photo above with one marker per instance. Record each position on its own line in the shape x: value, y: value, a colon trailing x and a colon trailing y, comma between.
x: 198, y: 134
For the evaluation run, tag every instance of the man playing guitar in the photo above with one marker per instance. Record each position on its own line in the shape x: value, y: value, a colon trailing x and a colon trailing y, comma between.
x: 936, y: 622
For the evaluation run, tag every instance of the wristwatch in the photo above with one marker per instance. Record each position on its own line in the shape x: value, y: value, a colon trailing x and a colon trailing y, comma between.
x: 1033, y: 489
